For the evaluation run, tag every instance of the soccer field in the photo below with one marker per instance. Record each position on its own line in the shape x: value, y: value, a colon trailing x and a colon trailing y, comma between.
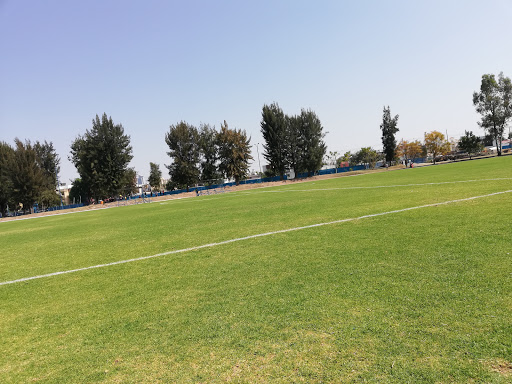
x: 391, y: 277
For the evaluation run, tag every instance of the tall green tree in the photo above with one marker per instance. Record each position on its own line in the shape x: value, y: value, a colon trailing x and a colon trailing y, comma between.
x: 49, y: 162
x: 155, y: 176
x: 101, y: 157
x: 183, y: 142
x: 27, y: 177
x: 494, y: 103
x: 6, y: 162
x: 313, y: 146
x: 470, y: 143
x: 389, y: 129
x: 234, y: 153
x: 294, y: 144
x: 48, y: 198
x: 274, y: 131
x: 209, y: 154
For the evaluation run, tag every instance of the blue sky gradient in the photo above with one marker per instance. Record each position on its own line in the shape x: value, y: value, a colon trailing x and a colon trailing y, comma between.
x: 152, y: 64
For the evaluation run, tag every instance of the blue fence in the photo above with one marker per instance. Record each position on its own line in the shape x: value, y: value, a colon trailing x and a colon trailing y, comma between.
x: 331, y: 170
x: 59, y: 208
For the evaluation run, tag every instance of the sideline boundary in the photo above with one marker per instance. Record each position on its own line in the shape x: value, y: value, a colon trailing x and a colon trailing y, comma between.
x: 258, y: 190
x: 251, y: 237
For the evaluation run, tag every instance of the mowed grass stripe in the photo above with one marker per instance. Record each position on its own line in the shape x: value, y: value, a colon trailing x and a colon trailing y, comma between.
x: 251, y: 237
x: 377, y: 186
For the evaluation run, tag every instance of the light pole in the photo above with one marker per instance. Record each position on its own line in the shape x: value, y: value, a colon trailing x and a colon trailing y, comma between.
x: 258, y: 152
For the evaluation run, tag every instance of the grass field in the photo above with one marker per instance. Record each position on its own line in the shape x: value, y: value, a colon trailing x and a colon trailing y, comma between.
x: 422, y: 295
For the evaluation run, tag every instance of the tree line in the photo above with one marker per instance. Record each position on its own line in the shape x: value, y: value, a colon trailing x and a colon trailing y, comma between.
x: 291, y: 142
x: 204, y: 155
x: 493, y: 102
x: 29, y: 172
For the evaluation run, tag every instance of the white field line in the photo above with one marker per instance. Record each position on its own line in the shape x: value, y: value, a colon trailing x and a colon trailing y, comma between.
x: 252, y: 237
x: 376, y: 186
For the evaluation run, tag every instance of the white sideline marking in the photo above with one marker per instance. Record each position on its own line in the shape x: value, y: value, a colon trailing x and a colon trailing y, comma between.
x: 251, y: 237
x: 375, y: 187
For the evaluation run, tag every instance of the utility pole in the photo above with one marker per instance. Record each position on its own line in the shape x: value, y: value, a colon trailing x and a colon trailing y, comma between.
x: 258, y: 152
x: 58, y: 186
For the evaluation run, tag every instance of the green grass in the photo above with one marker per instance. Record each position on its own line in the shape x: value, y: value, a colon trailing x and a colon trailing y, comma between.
x: 416, y: 296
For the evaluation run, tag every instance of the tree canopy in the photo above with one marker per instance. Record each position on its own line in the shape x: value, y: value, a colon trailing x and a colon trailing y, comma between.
x: 470, y: 143
x: 389, y: 129
x: 366, y: 156
x: 27, y: 177
x: 183, y: 142
x: 313, y: 147
x: 209, y: 154
x: 101, y: 157
x: 6, y: 162
x: 494, y: 103
x: 410, y: 150
x: 292, y: 142
x: 49, y: 162
x: 436, y: 144
x: 155, y: 176
x: 274, y: 131
x: 234, y: 153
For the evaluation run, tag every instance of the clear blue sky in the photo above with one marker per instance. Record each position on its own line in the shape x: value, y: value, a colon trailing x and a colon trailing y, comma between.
x: 151, y: 64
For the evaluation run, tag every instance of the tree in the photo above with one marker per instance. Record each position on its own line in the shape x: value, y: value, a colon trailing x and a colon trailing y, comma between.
x: 28, y: 179
x: 494, y: 103
x: 274, y: 130
x: 183, y: 142
x: 79, y: 191
x: 49, y: 162
x: 389, y: 129
x: 313, y: 146
x: 6, y: 162
x: 346, y: 156
x: 209, y: 150
x: 101, y: 157
x: 49, y: 198
x: 436, y: 144
x: 155, y: 176
x: 129, y: 182
x: 366, y: 156
x: 294, y: 143
x: 234, y: 152
x: 470, y: 143
x: 409, y: 150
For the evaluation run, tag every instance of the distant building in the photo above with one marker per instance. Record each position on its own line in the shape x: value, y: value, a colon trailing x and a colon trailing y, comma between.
x: 63, y: 191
